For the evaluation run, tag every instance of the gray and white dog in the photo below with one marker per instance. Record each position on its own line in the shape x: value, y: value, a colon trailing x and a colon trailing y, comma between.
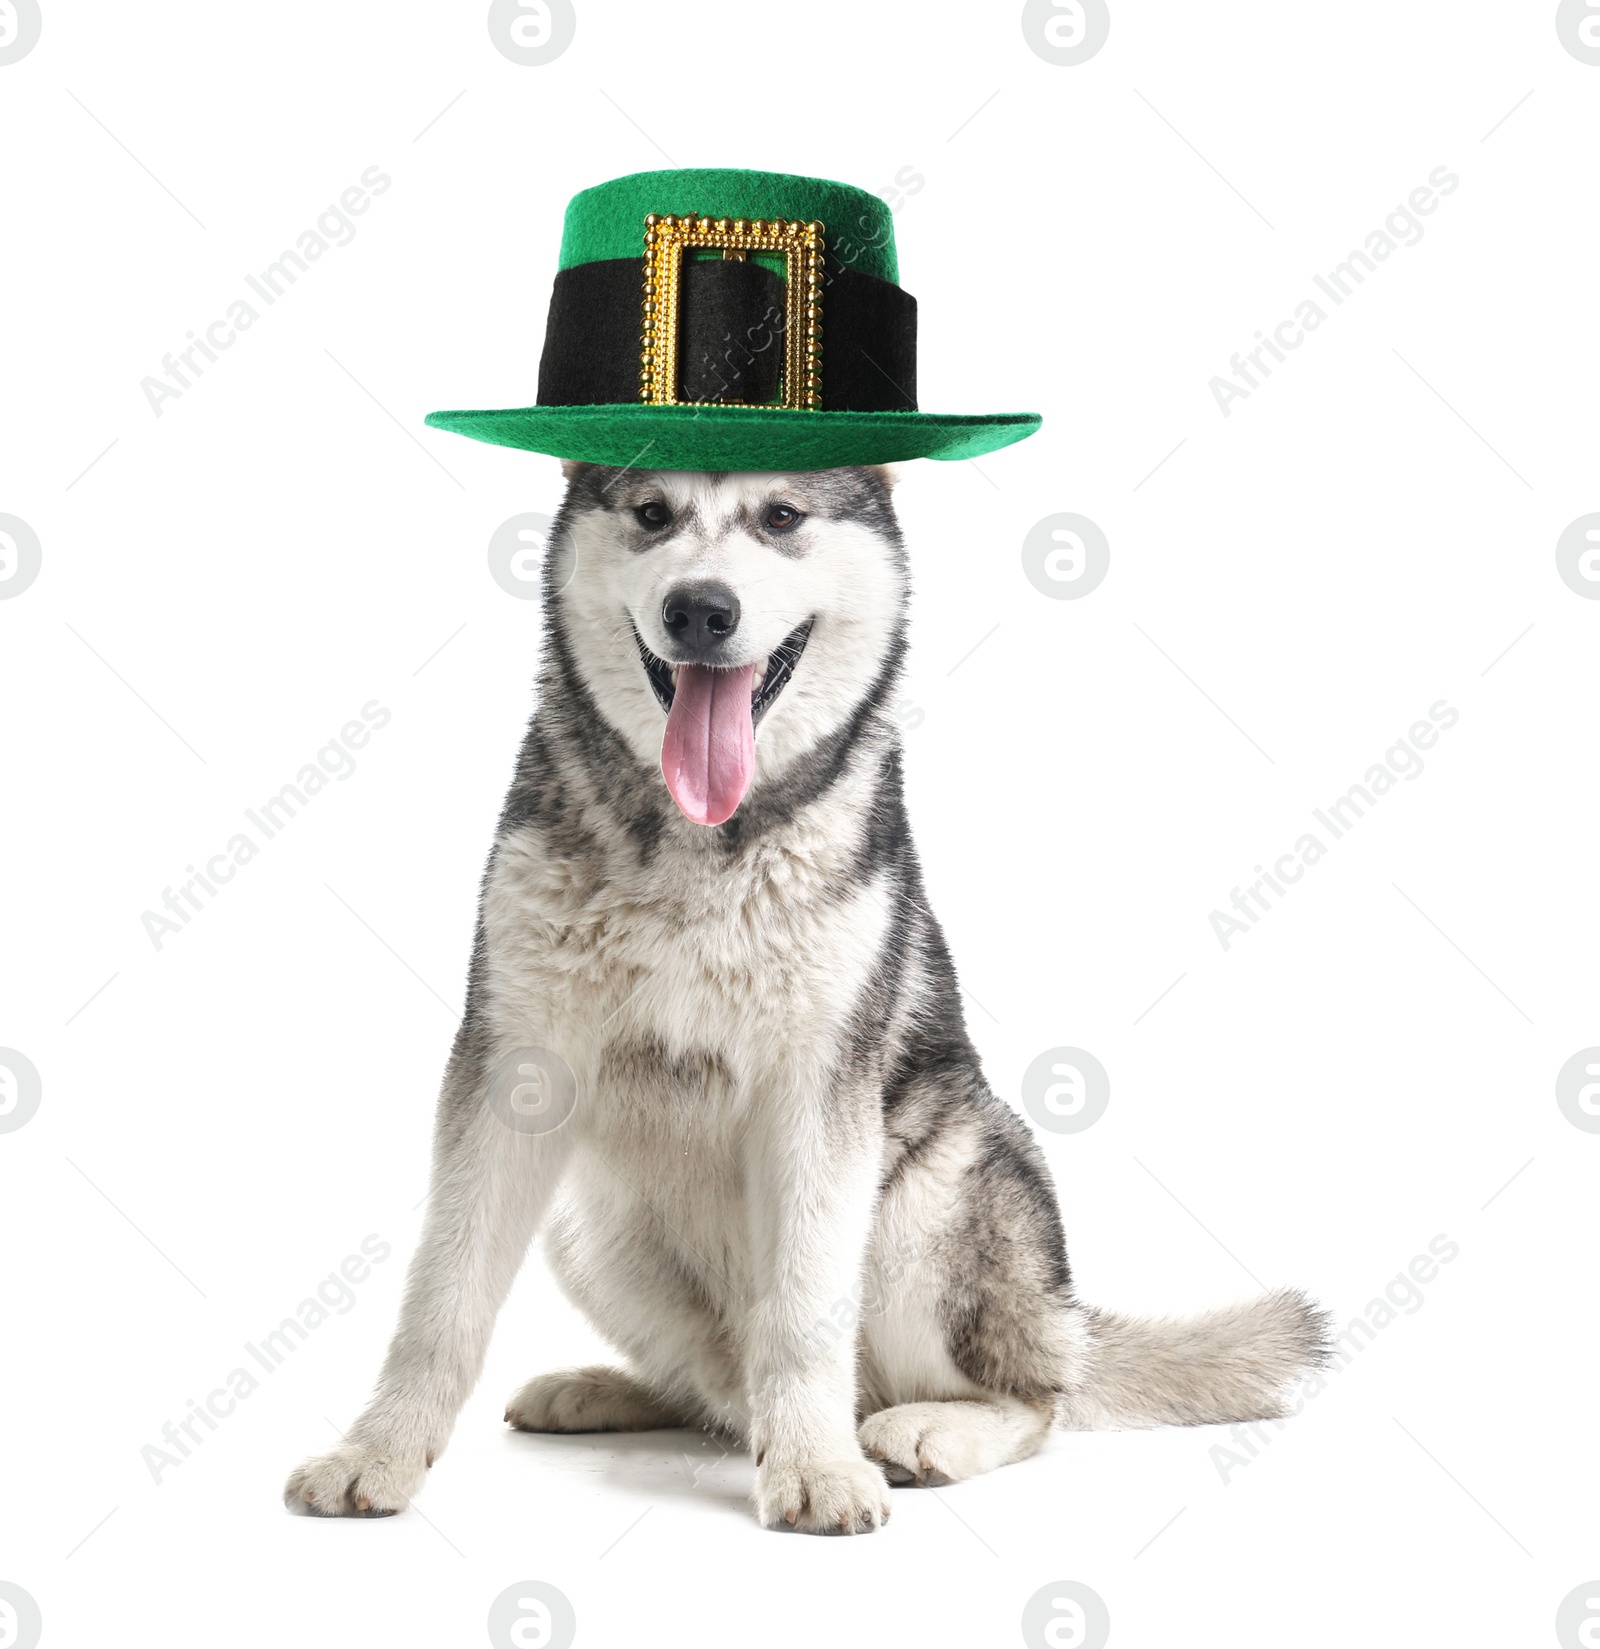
x: 760, y: 1146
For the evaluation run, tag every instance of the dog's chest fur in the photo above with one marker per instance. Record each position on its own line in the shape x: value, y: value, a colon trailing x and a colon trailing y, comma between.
x: 682, y: 992
x: 678, y: 986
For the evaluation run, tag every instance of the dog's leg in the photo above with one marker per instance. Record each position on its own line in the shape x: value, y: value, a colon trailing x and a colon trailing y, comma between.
x: 814, y: 1159
x: 490, y: 1185
x: 935, y: 1443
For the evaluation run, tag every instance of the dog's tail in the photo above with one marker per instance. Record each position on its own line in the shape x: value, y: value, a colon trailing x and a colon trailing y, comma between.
x: 1233, y: 1364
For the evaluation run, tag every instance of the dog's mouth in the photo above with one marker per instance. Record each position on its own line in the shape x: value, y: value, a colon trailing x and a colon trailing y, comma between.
x: 767, y: 681
x: 708, y: 751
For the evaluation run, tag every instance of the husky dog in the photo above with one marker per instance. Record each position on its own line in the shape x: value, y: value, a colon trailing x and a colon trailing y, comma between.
x: 713, y: 1046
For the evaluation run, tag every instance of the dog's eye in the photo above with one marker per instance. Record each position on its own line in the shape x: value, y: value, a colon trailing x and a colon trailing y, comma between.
x: 653, y: 515
x: 781, y: 517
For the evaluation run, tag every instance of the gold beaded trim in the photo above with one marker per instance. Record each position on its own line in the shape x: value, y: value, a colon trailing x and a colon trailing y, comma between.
x: 665, y: 239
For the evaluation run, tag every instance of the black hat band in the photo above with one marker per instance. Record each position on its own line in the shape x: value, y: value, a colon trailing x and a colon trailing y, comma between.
x: 730, y: 338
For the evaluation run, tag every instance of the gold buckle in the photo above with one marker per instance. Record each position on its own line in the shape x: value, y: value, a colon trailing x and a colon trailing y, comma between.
x: 665, y: 240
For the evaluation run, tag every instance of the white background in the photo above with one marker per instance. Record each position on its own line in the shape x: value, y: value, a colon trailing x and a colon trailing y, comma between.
x: 1289, y: 590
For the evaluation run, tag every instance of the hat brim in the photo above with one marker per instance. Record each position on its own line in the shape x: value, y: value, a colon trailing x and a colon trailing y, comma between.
x: 737, y: 438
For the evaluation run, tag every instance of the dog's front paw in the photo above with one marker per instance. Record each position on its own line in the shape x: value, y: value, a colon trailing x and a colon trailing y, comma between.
x: 355, y: 1481
x: 822, y: 1496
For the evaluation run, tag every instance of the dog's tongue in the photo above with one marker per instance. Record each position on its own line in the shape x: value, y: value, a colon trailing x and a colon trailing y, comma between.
x: 709, y: 753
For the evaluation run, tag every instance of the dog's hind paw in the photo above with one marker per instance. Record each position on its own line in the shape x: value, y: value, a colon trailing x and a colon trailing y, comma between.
x: 590, y: 1399
x: 937, y: 1443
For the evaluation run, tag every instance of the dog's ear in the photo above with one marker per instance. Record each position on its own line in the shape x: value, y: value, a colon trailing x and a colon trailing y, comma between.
x: 572, y: 469
x: 888, y: 474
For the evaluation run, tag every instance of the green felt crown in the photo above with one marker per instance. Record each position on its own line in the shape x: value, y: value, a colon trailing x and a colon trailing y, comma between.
x: 731, y: 320
x: 608, y: 220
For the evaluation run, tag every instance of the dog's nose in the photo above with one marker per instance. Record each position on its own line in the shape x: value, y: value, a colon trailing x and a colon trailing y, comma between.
x: 700, y: 618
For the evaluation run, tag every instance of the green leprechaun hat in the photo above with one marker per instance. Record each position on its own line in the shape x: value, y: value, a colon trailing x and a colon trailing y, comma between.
x: 732, y: 320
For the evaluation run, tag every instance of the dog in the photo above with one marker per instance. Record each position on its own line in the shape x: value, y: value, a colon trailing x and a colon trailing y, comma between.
x: 751, y: 1125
